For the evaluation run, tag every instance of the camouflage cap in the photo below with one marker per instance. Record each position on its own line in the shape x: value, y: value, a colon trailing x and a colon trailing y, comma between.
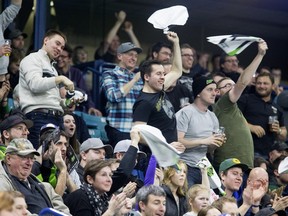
x: 21, y: 147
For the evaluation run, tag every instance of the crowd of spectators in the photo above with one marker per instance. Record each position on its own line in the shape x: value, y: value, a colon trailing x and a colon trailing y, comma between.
x: 234, y: 117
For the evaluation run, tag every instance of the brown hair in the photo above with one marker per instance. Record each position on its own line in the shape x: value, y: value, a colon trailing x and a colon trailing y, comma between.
x: 52, y: 32
x: 204, y: 211
x: 265, y: 74
x: 169, y: 172
x: 7, y: 201
x: 94, y: 166
x: 222, y: 200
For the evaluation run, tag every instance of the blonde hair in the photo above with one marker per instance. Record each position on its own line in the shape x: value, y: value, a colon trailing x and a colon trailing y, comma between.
x: 169, y: 172
x: 194, y: 191
x: 7, y: 201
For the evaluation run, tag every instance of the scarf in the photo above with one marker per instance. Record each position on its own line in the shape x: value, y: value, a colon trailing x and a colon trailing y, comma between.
x: 97, y: 201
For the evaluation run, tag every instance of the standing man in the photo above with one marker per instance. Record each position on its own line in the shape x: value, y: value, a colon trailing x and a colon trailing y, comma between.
x: 153, y: 106
x: 39, y: 85
x: 162, y: 52
x: 257, y: 108
x: 229, y: 65
x: 187, y: 56
x: 195, y: 126
x: 239, y: 141
x: 121, y: 86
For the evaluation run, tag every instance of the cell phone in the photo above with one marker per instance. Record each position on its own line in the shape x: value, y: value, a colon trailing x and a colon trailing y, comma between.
x: 53, y: 136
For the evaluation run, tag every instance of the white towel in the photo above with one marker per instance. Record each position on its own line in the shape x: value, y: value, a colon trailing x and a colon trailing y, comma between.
x: 166, y: 155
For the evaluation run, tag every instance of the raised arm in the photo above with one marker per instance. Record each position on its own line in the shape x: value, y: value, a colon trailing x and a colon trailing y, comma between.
x: 128, y: 28
x: 176, y: 70
x: 246, y: 76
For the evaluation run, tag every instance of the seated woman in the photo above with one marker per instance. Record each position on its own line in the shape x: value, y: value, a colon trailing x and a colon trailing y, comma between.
x: 198, y: 198
x: 175, y: 185
x: 92, y: 199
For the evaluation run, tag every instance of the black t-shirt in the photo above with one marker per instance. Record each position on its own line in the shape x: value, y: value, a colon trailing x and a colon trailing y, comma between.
x: 180, y: 96
x: 156, y: 110
x: 257, y: 112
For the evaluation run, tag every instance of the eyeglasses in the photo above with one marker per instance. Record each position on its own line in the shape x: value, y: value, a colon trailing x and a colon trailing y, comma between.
x: 188, y: 55
x: 26, y: 157
x: 232, y: 60
x: 228, y: 85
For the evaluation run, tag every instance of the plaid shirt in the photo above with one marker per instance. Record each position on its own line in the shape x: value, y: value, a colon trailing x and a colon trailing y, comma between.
x: 120, y: 107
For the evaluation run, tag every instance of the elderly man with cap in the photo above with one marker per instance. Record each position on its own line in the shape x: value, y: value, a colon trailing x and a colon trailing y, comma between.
x: 13, y: 127
x: 15, y: 175
x: 196, y: 125
x: 122, y: 86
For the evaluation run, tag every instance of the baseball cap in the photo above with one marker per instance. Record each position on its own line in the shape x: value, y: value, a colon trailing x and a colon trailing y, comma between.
x: 46, y: 127
x: 283, y: 166
x: 123, y: 145
x: 16, y: 33
x: 126, y: 47
x: 230, y: 163
x: 21, y: 147
x: 95, y: 143
x: 200, y: 83
x: 13, y: 120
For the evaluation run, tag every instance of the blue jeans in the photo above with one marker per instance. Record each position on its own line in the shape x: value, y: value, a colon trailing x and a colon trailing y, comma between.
x: 194, y: 176
x: 39, y: 119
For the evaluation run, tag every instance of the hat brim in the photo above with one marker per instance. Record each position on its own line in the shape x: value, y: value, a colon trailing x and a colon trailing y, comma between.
x: 28, y: 123
x: 108, y: 149
x: 244, y: 167
x: 26, y: 152
x: 137, y: 49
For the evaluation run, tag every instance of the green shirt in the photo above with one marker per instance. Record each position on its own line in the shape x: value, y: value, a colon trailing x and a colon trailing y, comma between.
x: 239, y: 142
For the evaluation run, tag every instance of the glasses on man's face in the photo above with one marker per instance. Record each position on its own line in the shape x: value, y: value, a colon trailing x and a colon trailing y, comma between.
x: 27, y: 157
x: 188, y: 55
x: 228, y: 85
x: 232, y: 61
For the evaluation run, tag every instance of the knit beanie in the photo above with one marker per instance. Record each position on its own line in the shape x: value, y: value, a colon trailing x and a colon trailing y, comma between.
x: 200, y: 83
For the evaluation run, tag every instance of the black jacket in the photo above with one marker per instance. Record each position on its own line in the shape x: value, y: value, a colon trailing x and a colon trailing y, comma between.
x: 171, y: 206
